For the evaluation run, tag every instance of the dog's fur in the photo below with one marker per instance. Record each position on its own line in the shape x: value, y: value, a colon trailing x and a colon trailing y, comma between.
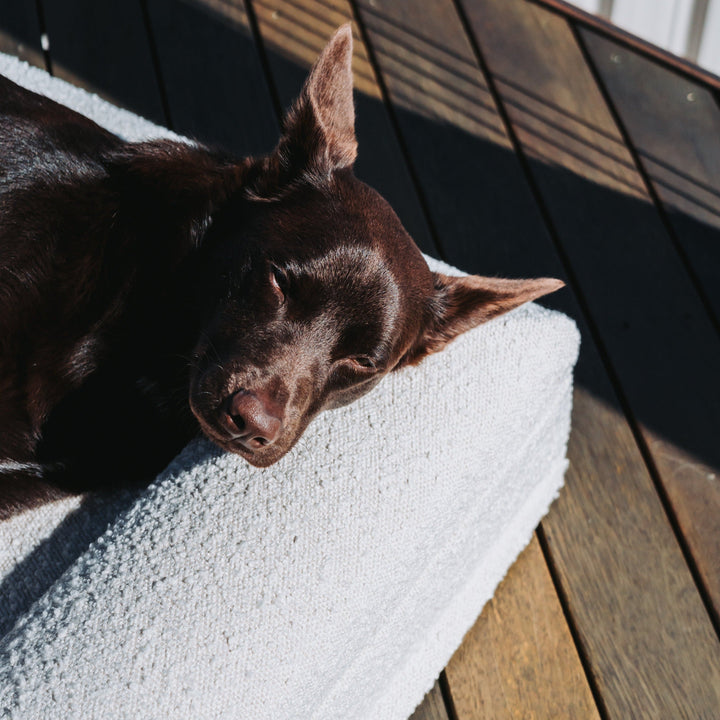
x: 148, y: 289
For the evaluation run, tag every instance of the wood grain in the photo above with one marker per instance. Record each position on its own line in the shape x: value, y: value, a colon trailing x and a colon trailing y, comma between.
x: 476, y: 194
x: 519, y: 653
x: 299, y: 29
x: 428, y: 70
x: 650, y: 646
x: 559, y: 115
x: 432, y: 707
x: 693, y: 488
x: 675, y: 124
x: 655, y: 329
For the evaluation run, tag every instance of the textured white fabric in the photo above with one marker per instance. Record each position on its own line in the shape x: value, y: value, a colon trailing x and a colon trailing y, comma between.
x: 335, y: 584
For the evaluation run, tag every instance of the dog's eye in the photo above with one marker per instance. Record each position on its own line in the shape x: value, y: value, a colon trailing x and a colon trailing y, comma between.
x: 362, y: 361
x: 278, y: 283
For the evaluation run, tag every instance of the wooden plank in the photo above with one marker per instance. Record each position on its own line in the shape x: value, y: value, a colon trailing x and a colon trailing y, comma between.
x: 554, y: 111
x: 456, y: 140
x: 432, y: 707
x: 675, y: 124
x: 215, y: 86
x: 693, y: 489
x: 294, y: 32
x: 660, y: 340
x: 104, y: 47
x: 651, y: 651
x: 484, y: 213
x: 20, y: 31
x: 519, y: 652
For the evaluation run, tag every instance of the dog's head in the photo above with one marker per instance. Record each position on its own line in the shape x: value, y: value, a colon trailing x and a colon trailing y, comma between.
x: 317, y: 290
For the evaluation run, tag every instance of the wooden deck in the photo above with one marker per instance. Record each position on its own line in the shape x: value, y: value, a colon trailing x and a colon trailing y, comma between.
x: 516, y: 138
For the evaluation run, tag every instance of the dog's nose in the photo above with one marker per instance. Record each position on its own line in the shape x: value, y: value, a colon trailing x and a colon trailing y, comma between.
x: 257, y: 423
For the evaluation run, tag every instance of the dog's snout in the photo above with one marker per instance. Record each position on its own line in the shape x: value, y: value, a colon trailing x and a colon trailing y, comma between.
x: 257, y: 422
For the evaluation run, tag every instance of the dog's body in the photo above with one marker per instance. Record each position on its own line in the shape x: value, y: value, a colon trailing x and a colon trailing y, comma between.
x: 147, y: 290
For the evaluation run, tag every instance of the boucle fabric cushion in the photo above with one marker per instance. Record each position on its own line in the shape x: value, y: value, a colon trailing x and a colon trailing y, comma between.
x: 334, y: 584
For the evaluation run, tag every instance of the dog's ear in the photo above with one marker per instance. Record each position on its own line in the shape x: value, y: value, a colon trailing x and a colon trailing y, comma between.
x: 321, y: 125
x: 462, y: 303
x: 319, y: 130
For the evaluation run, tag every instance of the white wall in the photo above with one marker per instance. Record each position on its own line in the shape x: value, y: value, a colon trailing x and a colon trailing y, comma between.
x: 709, y: 55
x: 591, y: 6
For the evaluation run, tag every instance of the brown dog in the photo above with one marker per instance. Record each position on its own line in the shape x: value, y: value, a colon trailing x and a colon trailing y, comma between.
x: 146, y: 289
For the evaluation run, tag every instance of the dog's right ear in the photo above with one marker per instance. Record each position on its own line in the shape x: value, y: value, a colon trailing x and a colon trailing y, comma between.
x: 319, y: 130
x: 459, y: 304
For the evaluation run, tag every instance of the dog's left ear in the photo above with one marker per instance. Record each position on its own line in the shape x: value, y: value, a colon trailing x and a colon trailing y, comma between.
x: 321, y: 125
x: 462, y: 303
x: 319, y: 130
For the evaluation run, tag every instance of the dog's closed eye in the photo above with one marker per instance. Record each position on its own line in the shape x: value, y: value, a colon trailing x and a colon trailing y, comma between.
x: 362, y: 361
x: 363, y: 364
x: 279, y: 283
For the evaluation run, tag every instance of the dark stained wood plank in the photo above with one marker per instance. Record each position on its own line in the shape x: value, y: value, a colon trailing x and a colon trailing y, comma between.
x: 675, y: 124
x: 661, y: 342
x: 519, y: 653
x: 297, y: 30
x: 651, y: 650
x: 104, y: 47
x: 562, y: 127
x: 693, y: 488
x: 654, y: 328
x: 20, y: 31
x: 294, y: 32
x: 432, y: 707
x: 456, y: 140
x: 215, y: 86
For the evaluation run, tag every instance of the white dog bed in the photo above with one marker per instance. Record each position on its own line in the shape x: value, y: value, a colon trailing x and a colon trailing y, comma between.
x: 334, y: 584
